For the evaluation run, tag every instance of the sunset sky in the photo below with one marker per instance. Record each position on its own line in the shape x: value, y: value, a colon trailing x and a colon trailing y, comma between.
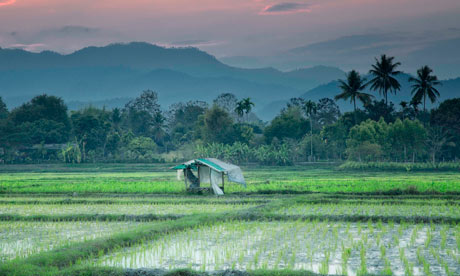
x: 221, y: 27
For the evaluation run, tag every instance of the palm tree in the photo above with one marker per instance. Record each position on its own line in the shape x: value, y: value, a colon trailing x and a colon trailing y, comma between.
x: 384, y: 72
x: 247, y: 104
x: 239, y: 109
x: 310, y: 109
x: 351, y: 89
x: 424, y: 86
x: 415, y: 103
x: 403, y: 105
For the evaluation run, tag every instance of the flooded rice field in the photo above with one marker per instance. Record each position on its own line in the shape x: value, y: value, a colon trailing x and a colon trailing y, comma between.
x: 322, y: 247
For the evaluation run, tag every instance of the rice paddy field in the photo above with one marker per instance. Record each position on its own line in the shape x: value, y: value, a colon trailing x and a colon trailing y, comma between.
x: 131, y: 219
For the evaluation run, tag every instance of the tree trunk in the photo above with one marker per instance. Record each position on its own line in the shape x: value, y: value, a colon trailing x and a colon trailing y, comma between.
x: 386, y: 93
x: 311, y: 139
x: 354, y: 113
x: 405, y: 153
x: 424, y: 100
x: 84, y: 151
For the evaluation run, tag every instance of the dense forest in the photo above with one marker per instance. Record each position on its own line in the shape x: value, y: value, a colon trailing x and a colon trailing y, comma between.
x: 44, y: 130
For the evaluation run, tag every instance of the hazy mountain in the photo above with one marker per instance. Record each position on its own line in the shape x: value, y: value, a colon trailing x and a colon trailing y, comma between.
x: 98, y: 74
x: 111, y: 75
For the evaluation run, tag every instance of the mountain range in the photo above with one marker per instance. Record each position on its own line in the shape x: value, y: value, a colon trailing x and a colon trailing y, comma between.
x: 113, y: 74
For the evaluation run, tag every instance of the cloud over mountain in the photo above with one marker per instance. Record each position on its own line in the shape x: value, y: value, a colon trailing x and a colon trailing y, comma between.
x: 286, y: 7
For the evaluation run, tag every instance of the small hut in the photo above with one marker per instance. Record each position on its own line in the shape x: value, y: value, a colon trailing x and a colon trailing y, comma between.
x: 209, y: 171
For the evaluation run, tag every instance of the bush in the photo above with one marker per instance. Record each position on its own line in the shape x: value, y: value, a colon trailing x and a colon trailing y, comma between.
x: 394, y: 166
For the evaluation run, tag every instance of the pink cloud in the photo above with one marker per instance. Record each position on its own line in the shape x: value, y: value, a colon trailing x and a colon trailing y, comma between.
x: 6, y: 2
x: 286, y: 8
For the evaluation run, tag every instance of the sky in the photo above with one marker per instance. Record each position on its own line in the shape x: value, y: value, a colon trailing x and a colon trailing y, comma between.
x: 224, y: 28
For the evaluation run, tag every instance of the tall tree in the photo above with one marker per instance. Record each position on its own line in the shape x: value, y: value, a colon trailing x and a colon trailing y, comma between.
x: 145, y: 117
x: 3, y: 109
x: 290, y: 123
x: 310, y: 110
x: 182, y: 121
x: 403, y: 105
x: 327, y: 113
x: 424, y: 86
x: 91, y: 127
x: 41, y: 107
x: 447, y: 116
x: 248, y: 104
x: 414, y: 103
x: 352, y: 89
x: 384, y: 72
x: 239, y: 109
x: 226, y: 101
x: 43, y: 119
x: 216, y: 126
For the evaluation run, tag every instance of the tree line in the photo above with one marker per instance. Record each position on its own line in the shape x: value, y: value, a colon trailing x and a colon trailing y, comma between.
x: 43, y: 129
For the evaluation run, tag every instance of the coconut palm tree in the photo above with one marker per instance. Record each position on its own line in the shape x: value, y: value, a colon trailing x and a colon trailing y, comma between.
x: 239, y: 109
x: 383, y: 73
x: 247, y: 107
x: 352, y: 89
x: 414, y: 103
x: 403, y: 105
x: 424, y: 86
x: 310, y: 109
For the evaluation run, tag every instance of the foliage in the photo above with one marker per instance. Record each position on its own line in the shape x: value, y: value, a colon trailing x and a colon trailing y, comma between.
x: 379, y: 109
x: 45, y: 131
x: 141, y: 148
x: 3, y: 110
x: 228, y: 102
x: 398, y: 166
x: 352, y: 89
x: 447, y: 116
x: 216, y: 126
x: 289, y: 124
x: 183, y: 121
x: 424, y: 86
x: 43, y: 119
x: 241, y: 153
x: 384, y: 73
x: 41, y: 130
x: 91, y: 129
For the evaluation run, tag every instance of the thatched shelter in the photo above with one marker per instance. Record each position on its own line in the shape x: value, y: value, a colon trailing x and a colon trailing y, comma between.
x: 209, y: 171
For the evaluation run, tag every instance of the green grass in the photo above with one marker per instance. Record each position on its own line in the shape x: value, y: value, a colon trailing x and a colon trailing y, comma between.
x: 260, y: 181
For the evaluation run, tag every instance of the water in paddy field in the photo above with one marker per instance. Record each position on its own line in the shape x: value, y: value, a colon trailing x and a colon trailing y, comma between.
x: 322, y: 247
x: 23, y: 238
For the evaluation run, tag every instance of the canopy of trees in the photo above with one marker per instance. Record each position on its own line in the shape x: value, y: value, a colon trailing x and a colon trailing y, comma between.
x: 43, y: 130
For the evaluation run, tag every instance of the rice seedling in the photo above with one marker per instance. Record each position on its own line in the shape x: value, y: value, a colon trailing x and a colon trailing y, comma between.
x: 287, y: 245
x: 422, y: 260
x: 293, y: 179
x: 20, y: 239
x: 114, y: 209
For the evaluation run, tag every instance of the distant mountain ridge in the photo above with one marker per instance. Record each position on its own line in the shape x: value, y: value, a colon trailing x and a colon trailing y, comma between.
x: 117, y: 72
x: 96, y: 74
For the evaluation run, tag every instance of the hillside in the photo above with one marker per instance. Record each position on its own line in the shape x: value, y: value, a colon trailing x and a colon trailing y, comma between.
x: 113, y: 74
x: 98, y: 74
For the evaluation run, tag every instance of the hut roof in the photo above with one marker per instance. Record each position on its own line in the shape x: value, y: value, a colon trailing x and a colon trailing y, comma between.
x: 233, y: 172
